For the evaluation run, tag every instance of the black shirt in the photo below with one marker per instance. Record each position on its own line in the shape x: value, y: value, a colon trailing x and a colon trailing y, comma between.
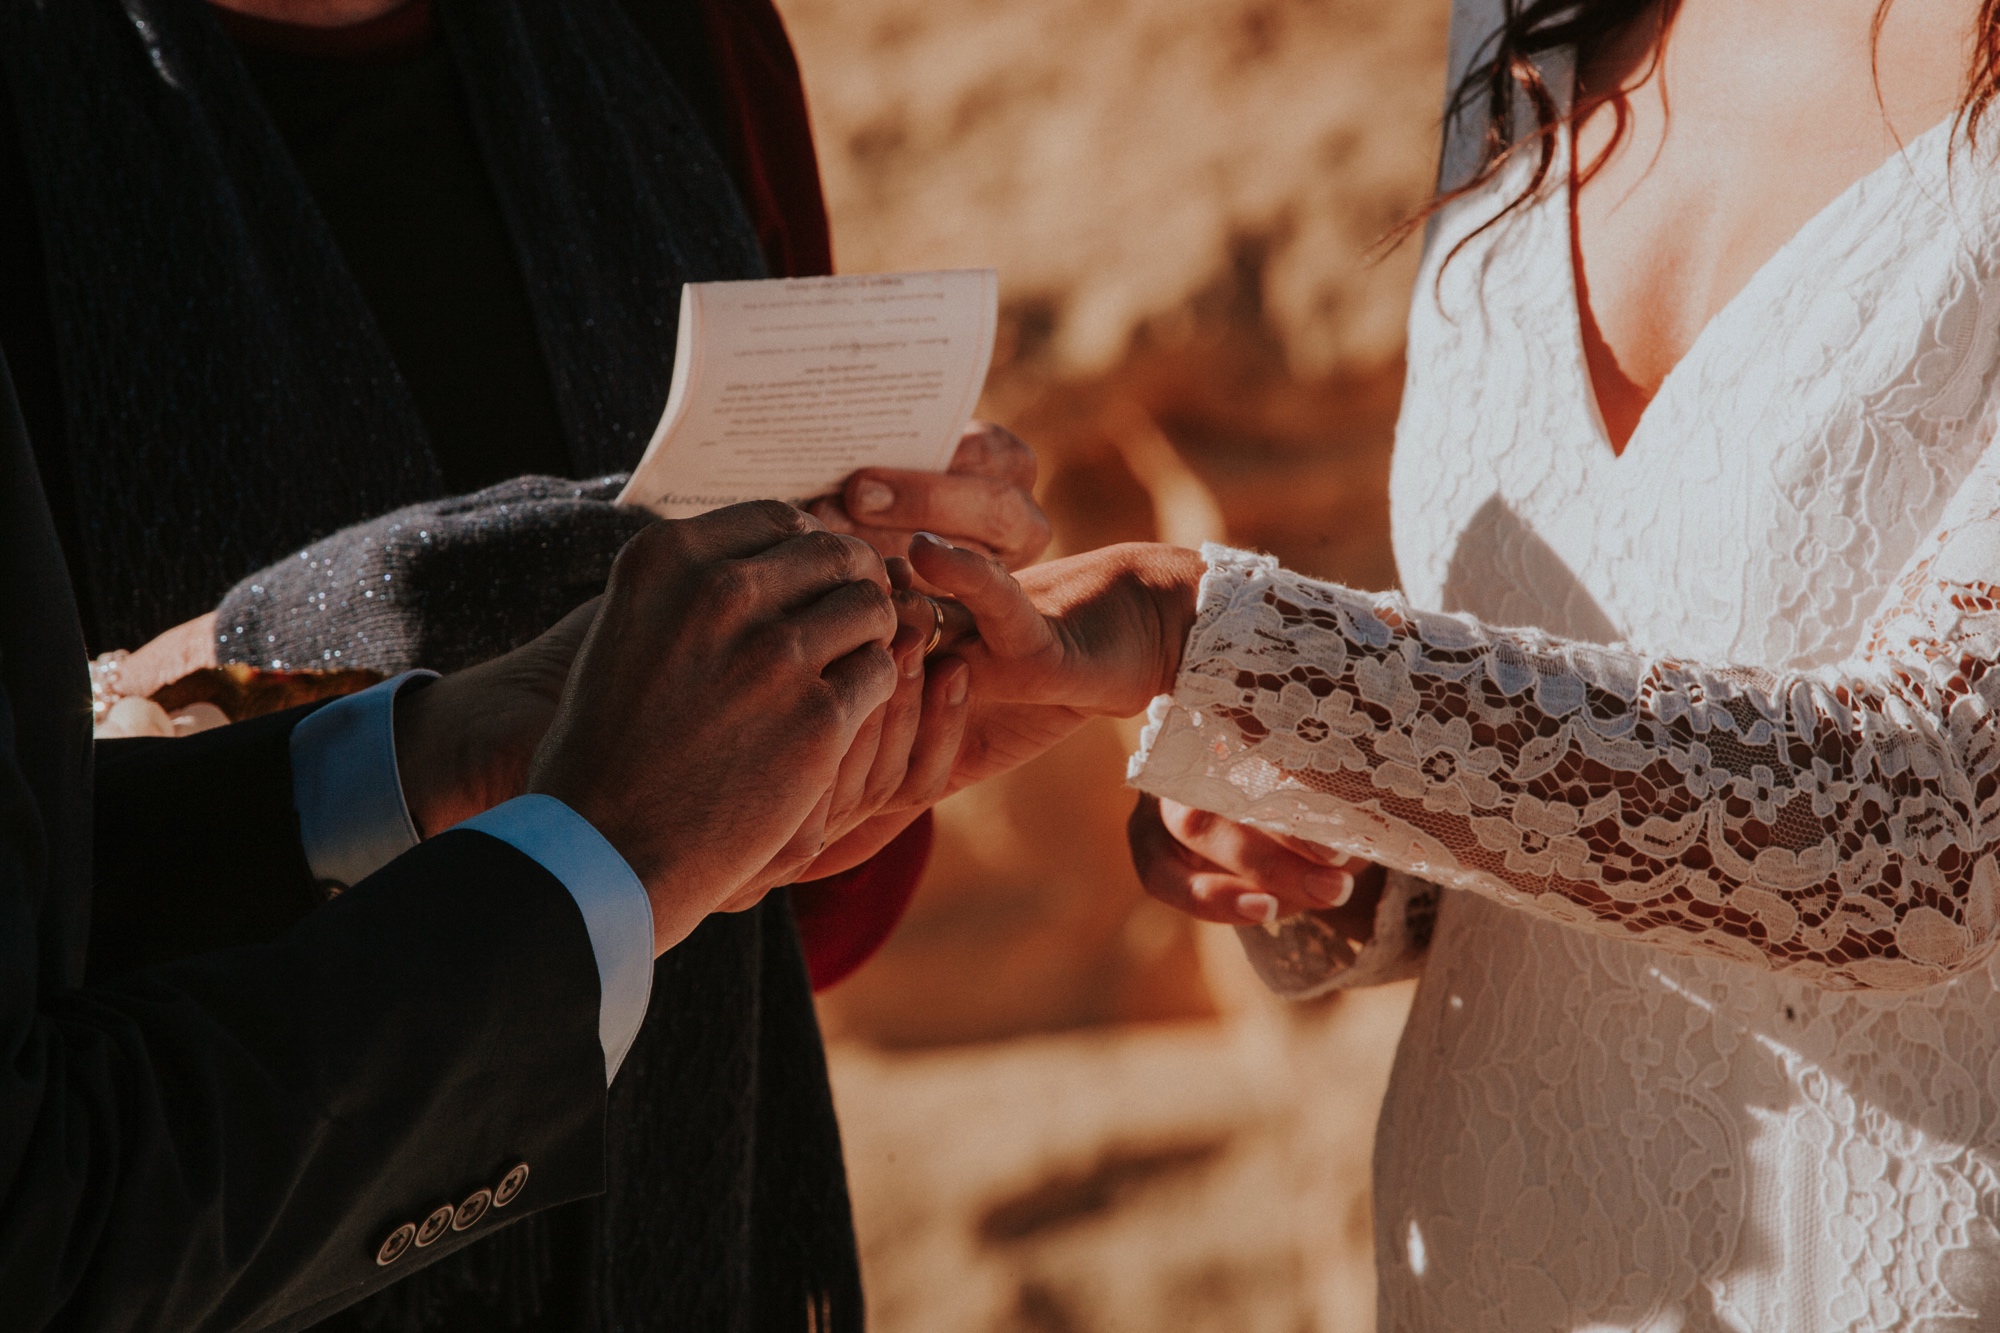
x: 384, y: 143
x: 387, y: 151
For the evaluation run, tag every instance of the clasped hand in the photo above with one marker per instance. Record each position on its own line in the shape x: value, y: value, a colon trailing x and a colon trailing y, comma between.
x: 744, y: 697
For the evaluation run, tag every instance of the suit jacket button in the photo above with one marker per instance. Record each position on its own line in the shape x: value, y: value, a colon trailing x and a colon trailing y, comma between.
x: 435, y: 1226
x: 397, y: 1245
x: 510, y: 1186
x: 474, y: 1208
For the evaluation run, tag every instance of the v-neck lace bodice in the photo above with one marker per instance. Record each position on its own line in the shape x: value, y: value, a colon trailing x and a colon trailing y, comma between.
x: 1709, y: 1037
x: 1921, y: 164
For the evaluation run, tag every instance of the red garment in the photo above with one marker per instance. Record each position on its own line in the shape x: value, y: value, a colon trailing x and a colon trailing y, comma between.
x: 842, y: 920
x: 771, y: 146
x: 845, y: 918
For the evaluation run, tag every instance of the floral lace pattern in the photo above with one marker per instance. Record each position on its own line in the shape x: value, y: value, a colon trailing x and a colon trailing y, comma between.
x: 1841, y: 826
x: 1706, y: 1036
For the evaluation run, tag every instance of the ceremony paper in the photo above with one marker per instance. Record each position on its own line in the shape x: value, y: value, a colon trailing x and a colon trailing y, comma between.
x: 783, y: 387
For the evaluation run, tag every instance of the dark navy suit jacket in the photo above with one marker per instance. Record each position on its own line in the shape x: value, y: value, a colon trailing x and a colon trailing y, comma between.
x: 218, y: 1098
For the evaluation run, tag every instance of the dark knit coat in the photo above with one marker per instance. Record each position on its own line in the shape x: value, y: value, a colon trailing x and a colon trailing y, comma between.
x: 225, y: 399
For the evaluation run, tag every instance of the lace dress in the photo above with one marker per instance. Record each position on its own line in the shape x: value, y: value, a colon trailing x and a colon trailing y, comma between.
x: 1708, y: 1035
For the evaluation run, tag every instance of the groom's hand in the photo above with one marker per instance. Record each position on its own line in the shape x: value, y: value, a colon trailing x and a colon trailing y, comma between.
x: 734, y: 662
x: 901, y: 761
x: 464, y: 742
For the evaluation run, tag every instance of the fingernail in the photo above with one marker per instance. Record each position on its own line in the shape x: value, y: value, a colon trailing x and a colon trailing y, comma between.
x: 1260, y: 908
x: 1331, y: 890
x: 872, y: 496
x: 934, y: 540
x: 954, y: 690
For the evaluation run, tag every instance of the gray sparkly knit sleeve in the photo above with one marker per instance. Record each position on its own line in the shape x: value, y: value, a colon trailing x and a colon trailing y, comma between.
x: 442, y: 584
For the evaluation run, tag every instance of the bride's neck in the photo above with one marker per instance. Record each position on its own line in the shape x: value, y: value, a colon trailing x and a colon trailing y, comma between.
x: 313, y: 13
x: 1912, y: 58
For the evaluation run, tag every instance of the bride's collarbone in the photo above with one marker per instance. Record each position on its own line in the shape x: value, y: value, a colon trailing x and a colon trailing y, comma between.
x: 1756, y: 118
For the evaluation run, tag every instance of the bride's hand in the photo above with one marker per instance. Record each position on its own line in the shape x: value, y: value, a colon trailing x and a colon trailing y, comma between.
x: 1098, y: 633
x: 1091, y: 635
x: 1217, y: 870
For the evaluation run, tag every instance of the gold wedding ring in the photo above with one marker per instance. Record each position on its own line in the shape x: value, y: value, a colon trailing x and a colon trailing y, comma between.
x: 937, y: 625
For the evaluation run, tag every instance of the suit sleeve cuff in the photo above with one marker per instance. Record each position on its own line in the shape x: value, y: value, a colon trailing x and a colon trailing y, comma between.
x: 615, y: 908
x: 346, y: 786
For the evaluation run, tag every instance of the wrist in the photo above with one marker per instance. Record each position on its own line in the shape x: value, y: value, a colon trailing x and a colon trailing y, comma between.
x: 421, y: 767
x: 455, y: 754
x: 1121, y: 615
x: 465, y: 743
x: 682, y: 894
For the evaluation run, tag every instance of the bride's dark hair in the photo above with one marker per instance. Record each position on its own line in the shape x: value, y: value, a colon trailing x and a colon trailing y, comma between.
x: 1505, y: 80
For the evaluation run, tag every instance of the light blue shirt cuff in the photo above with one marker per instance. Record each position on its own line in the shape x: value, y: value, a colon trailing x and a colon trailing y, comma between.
x: 353, y: 820
x: 346, y: 787
x: 615, y: 908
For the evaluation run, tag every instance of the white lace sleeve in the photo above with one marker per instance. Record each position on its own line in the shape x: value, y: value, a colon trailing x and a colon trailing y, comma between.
x: 1839, y: 825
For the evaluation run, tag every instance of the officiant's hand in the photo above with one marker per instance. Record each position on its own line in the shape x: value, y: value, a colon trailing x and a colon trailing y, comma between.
x: 985, y: 501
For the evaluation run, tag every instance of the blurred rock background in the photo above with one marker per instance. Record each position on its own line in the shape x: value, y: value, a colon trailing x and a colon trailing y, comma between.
x: 1067, y: 1109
